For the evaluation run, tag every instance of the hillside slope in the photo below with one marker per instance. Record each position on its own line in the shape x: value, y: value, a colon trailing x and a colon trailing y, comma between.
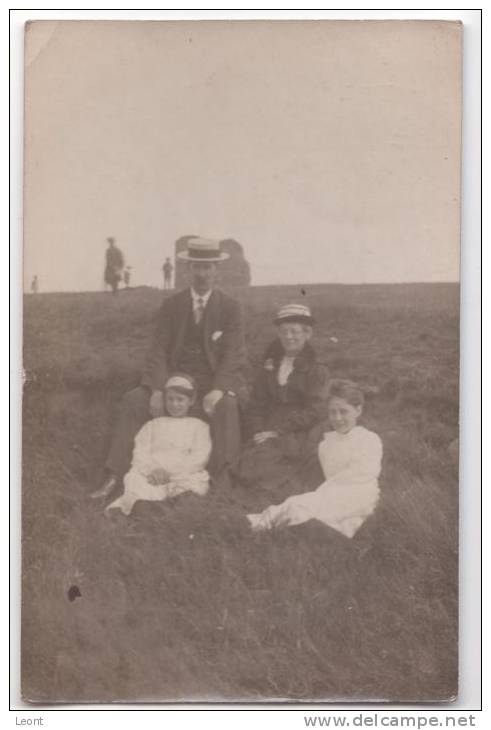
x: 181, y: 600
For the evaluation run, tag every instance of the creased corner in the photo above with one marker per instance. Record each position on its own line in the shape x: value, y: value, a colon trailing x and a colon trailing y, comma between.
x: 38, y: 35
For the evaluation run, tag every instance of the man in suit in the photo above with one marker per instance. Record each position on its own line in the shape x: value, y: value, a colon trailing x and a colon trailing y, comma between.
x: 199, y: 332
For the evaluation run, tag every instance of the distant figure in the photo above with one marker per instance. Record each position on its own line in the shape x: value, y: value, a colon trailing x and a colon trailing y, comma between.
x: 35, y: 284
x: 167, y: 268
x: 127, y: 276
x: 113, y: 272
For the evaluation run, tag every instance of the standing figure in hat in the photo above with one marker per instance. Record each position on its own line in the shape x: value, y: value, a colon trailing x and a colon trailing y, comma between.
x: 288, y: 399
x: 113, y: 273
x: 199, y: 331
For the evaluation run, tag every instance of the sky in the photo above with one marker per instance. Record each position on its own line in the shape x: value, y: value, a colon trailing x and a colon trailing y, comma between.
x: 329, y: 149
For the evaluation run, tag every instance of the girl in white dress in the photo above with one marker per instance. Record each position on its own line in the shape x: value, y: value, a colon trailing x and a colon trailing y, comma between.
x: 350, y: 457
x: 171, y: 452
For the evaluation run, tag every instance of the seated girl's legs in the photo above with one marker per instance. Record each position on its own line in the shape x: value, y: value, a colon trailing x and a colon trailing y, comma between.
x: 293, y: 511
x: 198, y: 483
x: 344, y: 504
x: 136, y: 487
x: 342, y: 507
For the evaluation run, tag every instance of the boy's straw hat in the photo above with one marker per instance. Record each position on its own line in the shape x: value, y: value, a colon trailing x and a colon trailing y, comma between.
x: 182, y: 383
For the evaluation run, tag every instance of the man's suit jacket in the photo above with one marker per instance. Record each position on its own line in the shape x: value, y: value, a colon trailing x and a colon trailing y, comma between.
x: 223, y: 340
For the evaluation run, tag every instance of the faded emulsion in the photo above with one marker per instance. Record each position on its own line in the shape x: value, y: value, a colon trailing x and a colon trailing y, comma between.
x: 240, y: 475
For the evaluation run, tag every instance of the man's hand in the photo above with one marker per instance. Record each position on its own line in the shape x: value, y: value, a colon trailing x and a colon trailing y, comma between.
x: 156, y: 407
x: 158, y: 476
x: 210, y: 401
x: 263, y: 436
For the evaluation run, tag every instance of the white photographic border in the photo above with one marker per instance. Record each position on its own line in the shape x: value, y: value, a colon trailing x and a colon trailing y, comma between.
x: 470, y: 491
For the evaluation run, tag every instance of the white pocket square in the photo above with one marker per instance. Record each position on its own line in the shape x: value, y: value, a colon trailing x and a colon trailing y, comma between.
x: 216, y: 335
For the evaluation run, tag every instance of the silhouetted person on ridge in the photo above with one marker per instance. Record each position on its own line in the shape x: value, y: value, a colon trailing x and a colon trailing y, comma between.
x: 127, y: 276
x: 113, y: 273
x: 167, y: 268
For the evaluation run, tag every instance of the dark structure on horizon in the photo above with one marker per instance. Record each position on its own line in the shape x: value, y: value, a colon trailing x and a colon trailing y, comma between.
x: 233, y: 273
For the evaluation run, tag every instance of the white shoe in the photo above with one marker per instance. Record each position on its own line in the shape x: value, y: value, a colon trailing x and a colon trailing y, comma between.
x: 256, y: 523
x: 106, y: 488
x: 115, y: 508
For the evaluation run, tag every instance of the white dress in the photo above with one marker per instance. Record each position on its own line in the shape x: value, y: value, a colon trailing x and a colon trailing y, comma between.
x: 181, y: 446
x: 351, y: 464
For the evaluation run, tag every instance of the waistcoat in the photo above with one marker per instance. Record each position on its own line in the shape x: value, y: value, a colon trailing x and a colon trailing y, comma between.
x: 192, y: 359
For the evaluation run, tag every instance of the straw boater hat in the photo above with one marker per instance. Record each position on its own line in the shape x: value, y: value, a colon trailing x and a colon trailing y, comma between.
x: 203, y: 249
x: 182, y: 383
x: 294, y: 313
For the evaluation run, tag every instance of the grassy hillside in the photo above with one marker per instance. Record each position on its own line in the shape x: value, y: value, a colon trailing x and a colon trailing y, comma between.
x: 181, y: 600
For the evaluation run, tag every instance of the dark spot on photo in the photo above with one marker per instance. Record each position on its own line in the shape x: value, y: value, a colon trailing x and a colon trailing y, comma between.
x: 73, y: 593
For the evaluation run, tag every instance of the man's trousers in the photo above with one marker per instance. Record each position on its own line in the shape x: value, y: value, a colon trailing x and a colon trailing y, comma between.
x: 134, y: 412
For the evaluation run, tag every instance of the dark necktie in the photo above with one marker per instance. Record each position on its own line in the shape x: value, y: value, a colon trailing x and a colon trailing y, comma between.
x: 198, y: 312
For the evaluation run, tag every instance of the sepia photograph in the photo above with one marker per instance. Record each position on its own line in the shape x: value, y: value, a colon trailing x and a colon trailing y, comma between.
x: 240, y: 412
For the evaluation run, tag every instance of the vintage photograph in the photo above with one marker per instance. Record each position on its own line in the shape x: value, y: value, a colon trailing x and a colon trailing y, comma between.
x: 240, y: 458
